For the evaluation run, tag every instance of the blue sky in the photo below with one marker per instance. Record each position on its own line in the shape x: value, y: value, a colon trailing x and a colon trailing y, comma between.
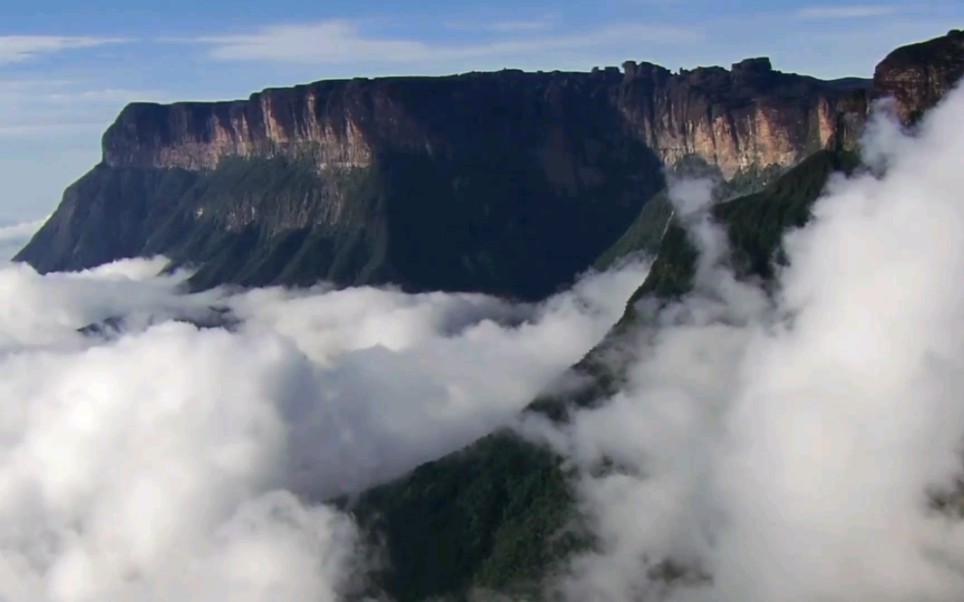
x: 67, y: 67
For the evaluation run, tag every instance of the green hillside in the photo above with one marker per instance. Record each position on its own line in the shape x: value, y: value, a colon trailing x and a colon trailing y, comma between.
x: 499, y: 514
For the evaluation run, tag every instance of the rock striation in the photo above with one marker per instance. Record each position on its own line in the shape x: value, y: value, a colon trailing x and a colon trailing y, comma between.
x: 748, y: 115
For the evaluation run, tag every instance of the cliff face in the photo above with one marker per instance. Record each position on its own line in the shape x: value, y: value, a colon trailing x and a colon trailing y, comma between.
x: 750, y: 115
x: 505, y: 182
x: 917, y: 76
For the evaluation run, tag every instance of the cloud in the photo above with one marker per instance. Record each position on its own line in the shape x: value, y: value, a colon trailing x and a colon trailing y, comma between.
x: 17, y: 48
x: 418, y: 376
x: 36, y: 108
x: 41, y: 131
x: 155, y: 460
x: 854, y: 11
x: 13, y: 237
x: 786, y: 447
x: 342, y: 41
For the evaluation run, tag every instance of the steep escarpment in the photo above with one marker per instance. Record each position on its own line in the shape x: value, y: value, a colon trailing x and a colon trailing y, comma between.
x: 505, y: 182
x: 749, y: 115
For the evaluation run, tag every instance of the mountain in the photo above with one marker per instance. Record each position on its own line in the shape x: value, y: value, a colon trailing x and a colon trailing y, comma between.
x: 508, y: 182
x: 500, y: 514
x: 502, y: 182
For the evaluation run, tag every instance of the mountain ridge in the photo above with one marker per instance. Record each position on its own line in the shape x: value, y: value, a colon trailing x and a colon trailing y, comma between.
x: 343, y: 123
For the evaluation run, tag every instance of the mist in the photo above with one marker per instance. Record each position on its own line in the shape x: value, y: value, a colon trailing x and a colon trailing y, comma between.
x: 14, y: 236
x: 789, y: 446
x: 148, y: 454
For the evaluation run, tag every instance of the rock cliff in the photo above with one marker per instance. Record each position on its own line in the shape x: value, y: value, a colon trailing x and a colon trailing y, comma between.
x: 750, y: 115
x: 505, y: 182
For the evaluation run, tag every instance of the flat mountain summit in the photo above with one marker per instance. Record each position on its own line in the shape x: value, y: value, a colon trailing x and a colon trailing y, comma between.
x: 507, y: 182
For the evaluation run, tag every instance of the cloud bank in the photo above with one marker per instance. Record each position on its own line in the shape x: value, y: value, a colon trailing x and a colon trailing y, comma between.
x: 338, y: 41
x: 13, y: 237
x: 149, y: 459
x: 791, y: 447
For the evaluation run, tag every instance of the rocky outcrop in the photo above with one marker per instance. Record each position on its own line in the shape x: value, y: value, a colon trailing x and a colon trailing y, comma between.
x: 748, y: 116
x: 918, y: 75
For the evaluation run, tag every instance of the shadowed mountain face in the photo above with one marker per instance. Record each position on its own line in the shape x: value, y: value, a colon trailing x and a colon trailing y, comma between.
x: 507, y: 182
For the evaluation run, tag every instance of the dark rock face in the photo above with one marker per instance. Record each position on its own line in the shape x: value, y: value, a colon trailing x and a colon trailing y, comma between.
x: 506, y: 182
x: 917, y: 76
x: 750, y: 115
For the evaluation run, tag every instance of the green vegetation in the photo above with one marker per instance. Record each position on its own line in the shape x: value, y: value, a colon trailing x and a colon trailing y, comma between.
x: 757, y: 223
x: 495, y: 220
x: 106, y: 215
x: 492, y: 515
x: 644, y: 234
x: 467, y: 521
x: 259, y: 222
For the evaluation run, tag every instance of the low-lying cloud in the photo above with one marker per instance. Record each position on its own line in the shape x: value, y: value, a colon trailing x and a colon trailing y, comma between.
x: 789, y: 447
x: 13, y: 237
x: 145, y: 458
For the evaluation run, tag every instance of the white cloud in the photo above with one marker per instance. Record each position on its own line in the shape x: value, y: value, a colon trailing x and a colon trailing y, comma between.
x: 13, y: 237
x: 166, y: 463
x: 17, y: 48
x: 341, y: 41
x: 416, y: 376
x: 35, y: 108
x: 854, y: 11
x: 46, y: 131
x: 783, y: 448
